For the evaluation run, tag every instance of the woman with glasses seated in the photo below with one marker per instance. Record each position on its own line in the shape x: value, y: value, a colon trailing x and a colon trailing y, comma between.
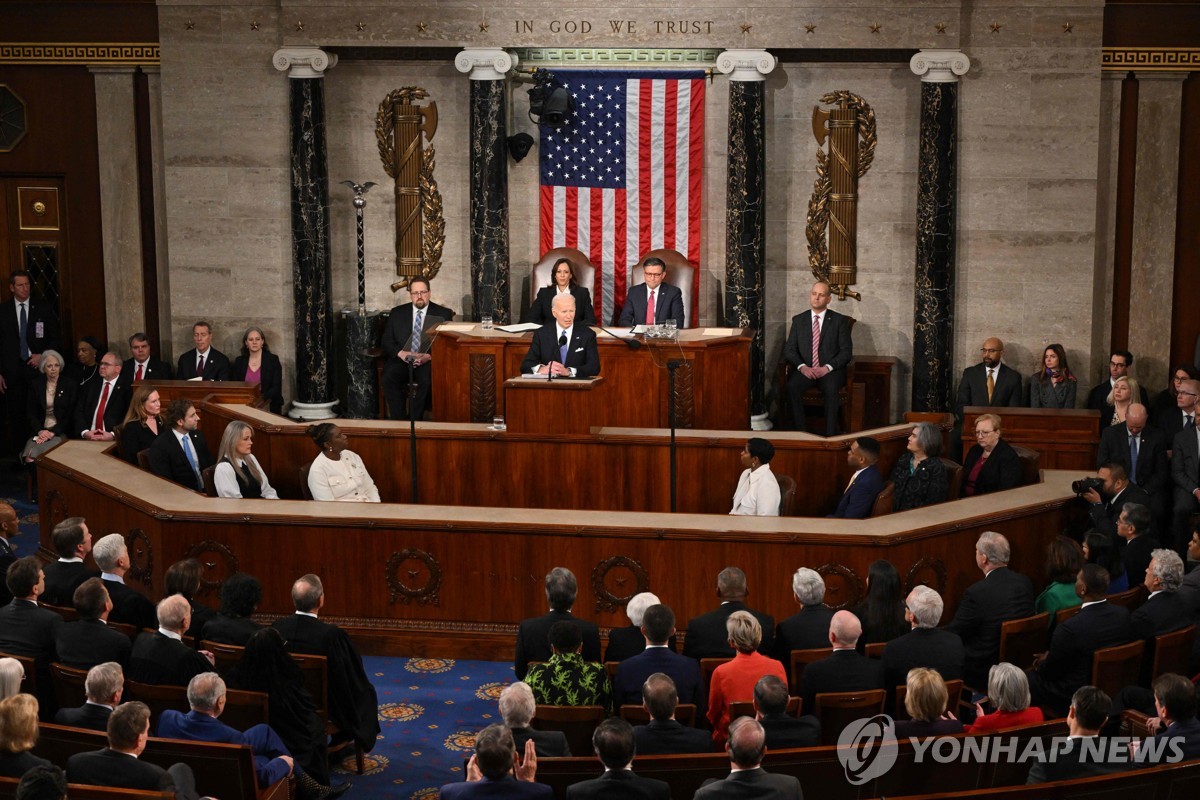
x: 564, y: 283
x: 991, y: 465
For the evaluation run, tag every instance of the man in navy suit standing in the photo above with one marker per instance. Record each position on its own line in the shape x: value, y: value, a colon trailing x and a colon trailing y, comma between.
x: 820, y: 349
x: 653, y: 302
x: 865, y: 484
x: 27, y: 329
x: 562, y: 348
x: 407, y: 340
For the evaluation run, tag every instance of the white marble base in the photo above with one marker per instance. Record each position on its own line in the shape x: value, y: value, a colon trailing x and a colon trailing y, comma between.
x: 760, y: 422
x: 308, y: 412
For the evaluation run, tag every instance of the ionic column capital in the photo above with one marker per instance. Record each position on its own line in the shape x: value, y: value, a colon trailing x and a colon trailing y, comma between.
x: 746, y: 65
x: 940, y: 66
x: 303, y: 62
x: 485, y: 63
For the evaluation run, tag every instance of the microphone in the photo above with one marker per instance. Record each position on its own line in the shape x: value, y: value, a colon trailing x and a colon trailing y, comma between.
x: 631, y: 343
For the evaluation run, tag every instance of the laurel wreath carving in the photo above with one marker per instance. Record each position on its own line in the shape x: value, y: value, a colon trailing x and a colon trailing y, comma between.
x: 818, y: 204
x: 433, y: 231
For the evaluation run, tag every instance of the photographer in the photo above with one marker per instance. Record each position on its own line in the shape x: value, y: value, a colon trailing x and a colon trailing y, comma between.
x: 1114, y: 484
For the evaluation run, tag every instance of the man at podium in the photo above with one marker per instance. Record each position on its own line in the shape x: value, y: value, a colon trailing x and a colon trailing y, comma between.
x: 561, y: 348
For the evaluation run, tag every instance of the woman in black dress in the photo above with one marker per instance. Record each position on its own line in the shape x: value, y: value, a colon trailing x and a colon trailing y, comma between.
x: 142, y: 422
x: 882, y: 613
x: 183, y: 577
x: 84, y: 368
x: 919, y: 476
x: 240, y: 596
x: 257, y: 364
x: 51, y: 406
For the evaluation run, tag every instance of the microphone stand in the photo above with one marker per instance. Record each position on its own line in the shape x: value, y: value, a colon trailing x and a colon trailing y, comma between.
x: 412, y: 425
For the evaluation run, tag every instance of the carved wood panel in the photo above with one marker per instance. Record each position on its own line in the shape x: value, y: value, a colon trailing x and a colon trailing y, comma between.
x: 616, y: 580
x: 483, y: 387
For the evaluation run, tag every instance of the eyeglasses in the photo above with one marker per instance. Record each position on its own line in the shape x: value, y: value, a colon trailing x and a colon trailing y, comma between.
x: 991, y: 349
x: 654, y: 274
x: 1117, y: 364
x: 1188, y: 394
x: 981, y: 434
x: 419, y: 294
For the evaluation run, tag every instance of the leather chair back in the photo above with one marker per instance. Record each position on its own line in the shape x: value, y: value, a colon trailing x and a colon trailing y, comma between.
x: 680, y: 274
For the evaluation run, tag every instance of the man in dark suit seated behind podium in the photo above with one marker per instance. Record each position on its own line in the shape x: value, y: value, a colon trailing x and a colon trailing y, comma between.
x: 562, y: 348
x: 667, y: 303
x: 203, y: 361
x: 105, y: 684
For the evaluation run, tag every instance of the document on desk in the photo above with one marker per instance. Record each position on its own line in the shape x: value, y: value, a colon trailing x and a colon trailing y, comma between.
x: 720, y: 331
x: 458, y: 326
x: 520, y: 327
x: 619, y: 333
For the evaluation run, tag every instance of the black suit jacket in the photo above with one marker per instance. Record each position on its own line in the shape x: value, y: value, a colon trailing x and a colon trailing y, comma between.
x: 785, y: 731
x: 754, y: 784
x: 1002, y: 470
x: 167, y: 459
x: 1104, y: 516
x: 84, y: 643
x: 15, y: 765
x: 541, y: 311
x: 1153, y: 469
x: 668, y: 737
x: 27, y: 630
x: 109, y: 768
x: 844, y: 671
x: 972, y: 388
x: 808, y: 630
x: 130, y: 607
x: 397, y: 333
x: 1065, y: 762
x: 836, y: 348
x: 62, y: 579
x: 1068, y: 663
x: 7, y: 559
x: 271, y: 377
x: 65, y: 397
x: 619, y: 784
x: 1000, y: 596
x: 89, y: 715
x: 582, y: 352
x: 1163, y: 613
x: 11, y: 363
x: 669, y: 305
x: 136, y: 436
x: 114, y: 408
x: 923, y: 647
x: 155, y: 371
x: 533, y: 642
x: 216, y: 365
x: 1170, y: 422
x: 684, y: 671
x: 1135, y: 557
x: 1185, y: 464
x: 163, y: 661
x: 1098, y: 401
x: 547, y: 744
x: 229, y: 630
x: 708, y: 638
x: 858, y: 500
x: 624, y: 643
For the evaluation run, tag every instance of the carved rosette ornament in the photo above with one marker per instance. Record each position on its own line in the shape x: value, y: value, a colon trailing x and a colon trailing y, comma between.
x: 218, y: 562
x: 414, y: 575
x: 927, y: 571
x: 616, y: 580
x: 843, y: 588
x: 141, y: 557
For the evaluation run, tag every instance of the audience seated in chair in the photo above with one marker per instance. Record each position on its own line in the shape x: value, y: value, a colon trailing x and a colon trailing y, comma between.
x: 808, y: 629
x: 19, y: 724
x: 1163, y: 611
x: 865, y: 484
x: 564, y: 279
x: 926, y: 702
x: 707, y: 636
x: 747, y: 778
x: 1082, y: 754
x: 1175, y: 705
x: 43, y: 783
x: 1064, y: 559
x: 613, y: 743
x: 496, y: 761
x: 161, y: 658
x: 652, y: 302
x: 882, y: 613
x: 567, y: 679
x: 105, y: 684
x: 1008, y: 691
x: 782, y: 729
x: 658, y: 629
x: 920, y: 477
x: 820, y: 349
x: 183, y: 578
x: 846, y: 670
x: 925, y: 645
x: 27, y: 630
x: 518, y: 708
x: 240, y: 596
x: 735, y: 680
x: 629, y: 641
x: 130, y: 606
x: 1133, y: 526
x: 89, y: 640
x: 664, y: 735
x: 180, y: 453
x: 991, y: 465
x: 72, y: 541
x: 757, y: 493
x: 533, y: 642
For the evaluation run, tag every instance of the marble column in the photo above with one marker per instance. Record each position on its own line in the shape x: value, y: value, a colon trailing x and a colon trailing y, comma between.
x: 746, y: 215
x: 486, y: 68
x: 937, y: 200
x: 120, y: 211
x: 310, y: 229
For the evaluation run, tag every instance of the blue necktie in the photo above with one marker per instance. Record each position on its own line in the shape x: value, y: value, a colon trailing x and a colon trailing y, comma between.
x: 415, y: 344
x: 1133, y: 453
x: 562, y: 349
x: 191, y: 457
x: 23, y: 330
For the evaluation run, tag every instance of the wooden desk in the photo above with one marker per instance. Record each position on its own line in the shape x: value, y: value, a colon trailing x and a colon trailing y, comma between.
x: 565, y: 406
x: 237, y: 392
x: 712, y: 389
x: 1066, y: 438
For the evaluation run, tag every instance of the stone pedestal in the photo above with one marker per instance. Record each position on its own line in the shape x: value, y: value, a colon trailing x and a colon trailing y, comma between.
x: 362, y: 385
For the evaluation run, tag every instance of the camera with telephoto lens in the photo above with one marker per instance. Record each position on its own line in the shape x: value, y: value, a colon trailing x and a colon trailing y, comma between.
x: 1085, y: 485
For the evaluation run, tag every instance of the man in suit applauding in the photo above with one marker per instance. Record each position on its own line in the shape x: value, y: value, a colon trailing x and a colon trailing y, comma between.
x: 407, y: 340
x: 865, y: 484
x: 990, y: 382
x: 820, y: 349
x: 652, y: 302
x: 118, y: 764
x: 105, y: 684
x: 203, y: 361
x: 562, y: 348
x: 748, y: 780
x: 497, y: 772
x: 180, y: 453
x: 613, y: 743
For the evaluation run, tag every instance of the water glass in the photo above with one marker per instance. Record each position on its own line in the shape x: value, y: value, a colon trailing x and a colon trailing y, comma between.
x: 486, y: 321
x: 498, y: 424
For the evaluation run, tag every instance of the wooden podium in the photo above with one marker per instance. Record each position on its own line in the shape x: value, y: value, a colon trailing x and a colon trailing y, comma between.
x: 563, y: 405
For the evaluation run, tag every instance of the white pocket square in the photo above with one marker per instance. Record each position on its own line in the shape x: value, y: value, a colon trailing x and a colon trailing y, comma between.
x: 578, y: 349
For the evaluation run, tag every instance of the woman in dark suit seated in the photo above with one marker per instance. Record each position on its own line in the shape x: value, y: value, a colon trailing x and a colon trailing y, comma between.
x: 1053, y: 386
x: 882, y: 613
x: 564, y: 281
x: 84, y: 368
x: 925, y: 702
x: 919, y: 476
x: 19, y: 729
x: 257, y: 364
x: 142, y: 422
x: 991, y: 465
x: 50, y: 407
x: 238, y: 473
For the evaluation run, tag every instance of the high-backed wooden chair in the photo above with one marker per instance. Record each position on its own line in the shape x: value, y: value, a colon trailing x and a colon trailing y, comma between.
x: 801, y: 659
x: 1021, y: 638
x: 885, y: 500
x: 707, y: 667
x: 1030, y: 474
x: 745, y: 708
x: 874, y: 649
x: 207, y: 476
x: 225, y: 656
x: 69, y: 687
x: 577, y: 723
x: 850, y: 412
x: 611, y: 668
x: 302, y: 471
x: 1114, y: 668
x: 1173, y: 652
x: 954, y: 472
x: 315, y: 670
x: 685, y: 714
x: 680, y: 274
x: 836, y: 710
x: 143, y: 459
x: 787, y: 494
x: 1064, y: 614
x: 68, y: 613
x: 543, y: 275
x: 29, y: 682
x: 1130, y: 598
x: 954, y: 691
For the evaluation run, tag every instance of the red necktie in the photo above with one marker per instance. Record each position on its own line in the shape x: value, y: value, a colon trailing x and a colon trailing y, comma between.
x: 139, y: 373
x: 816, y: 337
x: 650, y: 308
x: 200, y: 367
x: 99, y: 421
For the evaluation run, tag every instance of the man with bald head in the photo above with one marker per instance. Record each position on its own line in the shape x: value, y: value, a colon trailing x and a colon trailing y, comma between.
x: 846, y: 670
x: 1185, y: 467
x: 1142, y: 450
x: 990, y: 382
x: 747, y: 779
x: 819, y: 349
x: 707, y: 636
x: 161, y: 658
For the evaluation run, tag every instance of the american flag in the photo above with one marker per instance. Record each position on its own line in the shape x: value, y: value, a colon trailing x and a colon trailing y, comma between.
x: 624, y: 175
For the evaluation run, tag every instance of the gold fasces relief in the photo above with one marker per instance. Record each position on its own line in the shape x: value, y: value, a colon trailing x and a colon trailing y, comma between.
x: 400, y: 125
x: 850, y: 128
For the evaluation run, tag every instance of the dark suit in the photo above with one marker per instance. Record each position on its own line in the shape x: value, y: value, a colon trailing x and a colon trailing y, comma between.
x: 1171, y: 422
x: 668, y: 305
x: 667, y: 737
x: 1185, y: 473
x: 633, y: 672
x: 14, y: 765
x: 66, y: 394
x: 844, y: 671
x: 708, y: 638
x: 547, y: 744
x: 262, y: 740
x: 62, y: 579
x: 7, y: 559
x: 542, y: 310
x: 808, y: 630
x: 229, y: 630
x: 168, y: 460
x: 972, y: 388
x: 216, y: 365
x: 136, y: 436
x: 41, y: 334
x: 109, y: 768
x: 1002, y: 470
x: 858, y: 500
x: 1164, y: 612
x: 397, y: 336
x: 1104, y: 515
x: 923, y: 647
x: 507, y: 788
x: 89, y: 401
x: 582, y: 352
x: 1136, y: 558
x: 91, y: 716
x: 1068, y: 663
x: 84, y: 643
x: 154, y: 370
x: 1153, y: 470
x: 835, y: 351
x: 27, y: 630
x: 130, y: 607
x: 785, y: 731
x: 624, y: 643
x: 270, y: 378
x: 754, y: 784
x: 619, y: 784
x: 160, y: 660
x: 1000, y: 596
x: 533, y: 639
